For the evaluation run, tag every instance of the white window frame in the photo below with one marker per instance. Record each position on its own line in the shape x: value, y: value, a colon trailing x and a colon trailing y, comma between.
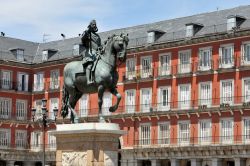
x: 130, y: 108
x: 246, y: 131
x: 208, y: 101
x: 151, y: 37
x: 225, y: 139
x: 6, y: 83
x: 145, y: 107
x: 165, y: 68
x: 20, y: 54
x: 53, y: 104
x: 36, y: 140
x: 76, y: 49
x: 208, y: 65
x: 164, y: 138
x: 105, y: 108
x: 245, y: 94
x: 84, y: 105
x: 184, y: 104
x: 5, y: 142
x: 54, y: 82
x: 162, y: 106
x: 22, y: 81
x: 5, y: 108
x: 130, y: 73
x: 45, y: 55
x: 231, y: 23
x: 145, y: 138
x: 21, y: 143
x: 21, y: 109
x: 222, y: 99
x: 224, y: 62
x: 184, y: 67
x: 208, y: 136
x: 190, y: 30
x: 39, y: 83
x: 148, y: 71
x: 185, y: 140
x: 245, y: 59
x: 52, y: 142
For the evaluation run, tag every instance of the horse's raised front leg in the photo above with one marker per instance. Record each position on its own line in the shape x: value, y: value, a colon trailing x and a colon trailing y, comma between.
x: 100, y: 95
x: 118, y: 99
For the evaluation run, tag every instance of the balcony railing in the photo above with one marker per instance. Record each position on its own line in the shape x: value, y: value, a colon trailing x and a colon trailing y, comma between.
x: 165, y: 70
x: 245, y: 60
x: 205, y: 65
x: 54, y: 85
x: 146, y: 73
x: 194, y: 141
x: 23, y: 145
x: 184, y: 68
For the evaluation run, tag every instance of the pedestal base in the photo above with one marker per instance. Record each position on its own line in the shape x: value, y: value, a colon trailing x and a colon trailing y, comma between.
x: 87, y: 144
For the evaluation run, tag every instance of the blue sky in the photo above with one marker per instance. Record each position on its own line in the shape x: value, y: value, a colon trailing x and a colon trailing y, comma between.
x: 30, y: 19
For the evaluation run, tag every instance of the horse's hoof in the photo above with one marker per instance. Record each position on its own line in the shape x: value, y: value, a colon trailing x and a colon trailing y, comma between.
x: 111, y: 109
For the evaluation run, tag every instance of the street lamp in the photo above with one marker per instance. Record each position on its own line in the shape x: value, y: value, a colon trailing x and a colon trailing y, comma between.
x: 44, y: 121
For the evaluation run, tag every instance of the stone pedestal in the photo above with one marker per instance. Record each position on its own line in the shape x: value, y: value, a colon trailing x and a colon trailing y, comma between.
x: 87, y: 144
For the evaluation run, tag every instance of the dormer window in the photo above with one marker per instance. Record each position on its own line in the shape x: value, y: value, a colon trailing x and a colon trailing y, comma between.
x: 20, y: 54
x: 153, y: 35
x: 76, y: 49
x: 192, y: 29
x: 234, y: 21
x: 45, y: 55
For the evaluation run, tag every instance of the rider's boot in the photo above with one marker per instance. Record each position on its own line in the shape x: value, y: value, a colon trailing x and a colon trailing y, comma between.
x: 88, y: 75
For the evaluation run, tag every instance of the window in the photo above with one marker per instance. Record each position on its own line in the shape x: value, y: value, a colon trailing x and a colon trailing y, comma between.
x: 5, y: 138
x: 6, y: 80
x: 76, y: 49
x: 231, y: 23
x: 246, y: 134
x: 151, y: 37
x: 38, y: 107
x: 83, y: 105
x: 130, y: 101
x: 38, y: 82
x: 20, y: 55
x: 54, y: 79
x: 21, y: 109
x: 145, y: 134
x: 205, y: 95
x: 45, y: 55
x: 184, y: 97
x: 36, y: 140
x: 22, y: 82
x: 205, y: 132
x: 146, y: 67
x: 183, y: 133
x: 52, y: 141
x: 164, y: 94
x: 246, y: 90
x: 21, y: 139
x: 164, y: 133
x: 205, y: 58
x: 107, y: 102
x: 5, y: 108
x: 146, y: 99
x: 226, y: 131
x: 227, y: 92
x: 189, y: 30
x: 130, y: 69
x: 245, y: 54
x: 165, y: 65
x: 53, y: 104
x: 226, y: 54
x: 184, y: 62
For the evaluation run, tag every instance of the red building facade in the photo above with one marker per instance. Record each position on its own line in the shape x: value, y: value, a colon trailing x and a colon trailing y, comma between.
x: 185, y: 91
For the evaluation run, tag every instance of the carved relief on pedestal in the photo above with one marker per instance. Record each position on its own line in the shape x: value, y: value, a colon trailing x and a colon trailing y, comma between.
x: 74, y: 158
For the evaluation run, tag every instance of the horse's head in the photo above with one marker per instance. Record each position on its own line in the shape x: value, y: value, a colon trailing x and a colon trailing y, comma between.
x: 118, y: 44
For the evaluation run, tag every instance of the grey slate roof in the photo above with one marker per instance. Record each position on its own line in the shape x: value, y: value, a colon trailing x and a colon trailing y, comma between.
x: 175, y: 29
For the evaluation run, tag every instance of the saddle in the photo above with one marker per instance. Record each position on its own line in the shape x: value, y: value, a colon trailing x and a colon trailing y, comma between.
x: 83, y: 73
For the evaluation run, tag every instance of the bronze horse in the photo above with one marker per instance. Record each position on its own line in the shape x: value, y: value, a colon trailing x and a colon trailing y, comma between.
x: 105, y: 76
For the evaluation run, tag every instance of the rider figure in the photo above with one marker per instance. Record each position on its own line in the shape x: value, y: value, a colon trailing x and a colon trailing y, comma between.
x: 92, y: 42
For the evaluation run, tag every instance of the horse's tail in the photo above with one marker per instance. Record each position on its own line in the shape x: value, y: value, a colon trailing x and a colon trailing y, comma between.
x: 65, y: 101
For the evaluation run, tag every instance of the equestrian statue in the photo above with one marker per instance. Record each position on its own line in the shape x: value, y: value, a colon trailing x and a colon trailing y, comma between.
x: 95, y: 73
